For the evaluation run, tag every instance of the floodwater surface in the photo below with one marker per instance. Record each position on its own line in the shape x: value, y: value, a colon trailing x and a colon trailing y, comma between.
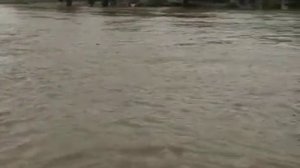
x: 148, y: 88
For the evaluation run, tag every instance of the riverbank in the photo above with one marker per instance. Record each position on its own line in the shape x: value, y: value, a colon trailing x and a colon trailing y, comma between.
x: 200, y: 4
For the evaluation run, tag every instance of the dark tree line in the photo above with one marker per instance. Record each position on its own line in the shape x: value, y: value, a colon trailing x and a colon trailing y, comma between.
x: 91, y: 2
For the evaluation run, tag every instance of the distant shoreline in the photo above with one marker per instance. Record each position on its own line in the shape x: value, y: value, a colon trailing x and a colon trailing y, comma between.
x: 202, y: 5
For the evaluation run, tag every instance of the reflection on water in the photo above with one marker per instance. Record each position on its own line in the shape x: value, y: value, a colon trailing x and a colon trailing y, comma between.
x: 148, y: 87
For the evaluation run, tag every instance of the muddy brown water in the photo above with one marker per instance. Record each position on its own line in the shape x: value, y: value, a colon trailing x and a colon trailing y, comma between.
x: 148, y: 88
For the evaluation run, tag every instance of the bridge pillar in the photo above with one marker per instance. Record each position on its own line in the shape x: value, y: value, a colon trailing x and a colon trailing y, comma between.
x: 284, y: 4
x: 69, y: 2
x: 91, y: 2
x: 105, y: 3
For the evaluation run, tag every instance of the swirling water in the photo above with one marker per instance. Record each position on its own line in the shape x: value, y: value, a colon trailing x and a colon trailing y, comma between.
x: 148, y: 88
